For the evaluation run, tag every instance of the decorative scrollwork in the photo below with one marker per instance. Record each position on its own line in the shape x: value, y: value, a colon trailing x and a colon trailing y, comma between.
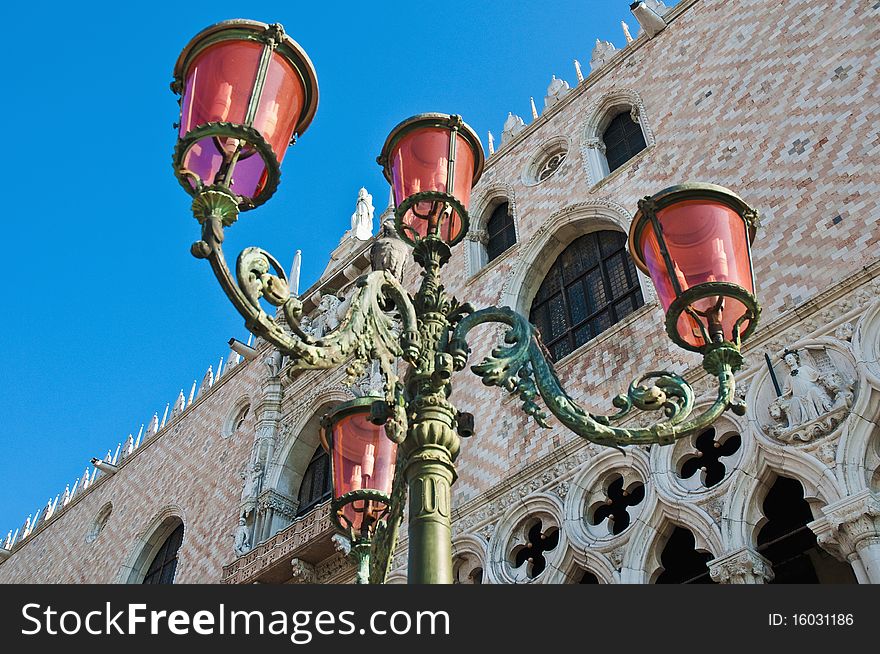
x: 367, y: 331
x: 523, y: 368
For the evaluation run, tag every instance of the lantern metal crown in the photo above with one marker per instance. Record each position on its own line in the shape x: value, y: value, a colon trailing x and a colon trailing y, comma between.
x: 246, y: 90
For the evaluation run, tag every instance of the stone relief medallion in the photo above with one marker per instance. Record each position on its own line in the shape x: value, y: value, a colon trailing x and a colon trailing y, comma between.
x: 807, y: 393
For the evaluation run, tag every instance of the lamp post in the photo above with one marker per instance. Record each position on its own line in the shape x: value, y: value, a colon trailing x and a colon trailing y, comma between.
x: 246, y: 90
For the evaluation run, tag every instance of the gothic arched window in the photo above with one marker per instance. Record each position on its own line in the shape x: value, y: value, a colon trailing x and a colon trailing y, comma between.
x: 682, y: 562
x: 790, y: 545
x: 500, y: 231
x: 164, y: 565
x: 623, y: 140
x: 316, y: 484
x: 591, y: 286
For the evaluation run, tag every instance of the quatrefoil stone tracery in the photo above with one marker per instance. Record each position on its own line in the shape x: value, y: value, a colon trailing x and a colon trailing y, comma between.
x: 539, y: 541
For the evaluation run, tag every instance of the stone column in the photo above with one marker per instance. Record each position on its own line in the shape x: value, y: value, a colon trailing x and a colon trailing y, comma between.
x: 742, y: 566
x: 850, y: 531
x: 268, y: 413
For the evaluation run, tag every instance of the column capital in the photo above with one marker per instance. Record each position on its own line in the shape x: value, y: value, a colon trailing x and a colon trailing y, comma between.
x: 742, y: 566
x: 849, y: 525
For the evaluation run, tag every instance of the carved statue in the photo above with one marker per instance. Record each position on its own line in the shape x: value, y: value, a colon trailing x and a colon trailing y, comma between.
x: 273, y: 363
x: 242, y: 539
x: 362, y: 218
x: 327, y: 319
x: 804, y: 396
x: 389, y: 252
x: 251, y: 480
x: 812, y: 401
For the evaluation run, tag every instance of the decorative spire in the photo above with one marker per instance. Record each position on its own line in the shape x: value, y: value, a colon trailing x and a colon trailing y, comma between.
x: 534, y: 110
x: 207, y: 381
x: 128, y: 447
x: 164, y: 416
x: 578, y: 72
x: 389, y: 210
x: 491, y: 143
x: 629, y: 38
x: 294, y: 275
x: 192, y: 393
x: 137, y: 442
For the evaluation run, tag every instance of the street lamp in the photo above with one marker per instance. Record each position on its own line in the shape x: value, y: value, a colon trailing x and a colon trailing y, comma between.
x: 693, y: 240
x: 362, y: 462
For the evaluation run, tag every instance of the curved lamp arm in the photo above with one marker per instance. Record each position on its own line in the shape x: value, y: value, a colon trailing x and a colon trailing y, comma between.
x: 522, y: 367
x: 364, y: 333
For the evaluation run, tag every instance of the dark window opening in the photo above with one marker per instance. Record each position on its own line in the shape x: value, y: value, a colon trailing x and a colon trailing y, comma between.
x: 615, y: 507
x: 500, y: 230
x: 790, y: 546
x: 164, y: 565
x: 532, y: 552
x: 588, y: 578
x: 681, y: 562
x: 591, y: 286
x: 623, y: 140
x: 316, y: 485
x: 708, y: 458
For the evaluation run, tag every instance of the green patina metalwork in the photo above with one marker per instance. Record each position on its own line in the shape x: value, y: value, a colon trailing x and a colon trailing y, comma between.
x: 433, y: 340
x: 683, y: 304
x: 193, y: 185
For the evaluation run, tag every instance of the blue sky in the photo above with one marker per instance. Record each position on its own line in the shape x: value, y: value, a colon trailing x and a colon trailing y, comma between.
x: 106, y: 315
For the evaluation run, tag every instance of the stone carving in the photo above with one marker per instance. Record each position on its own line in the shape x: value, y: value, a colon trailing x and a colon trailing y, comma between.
x: 273, y: 363
x: 602, y: 52
x: 743, y: 566
x: 812, y: 402
x: 512, y: 126
x: 341, y: 543
x: 844, y: 332
x: 251, y: 479
x: 389, y: 252
x: 372, y: 383
x: 850, y: 529
x: 302, y: 572
x: 362, y: 218
x: 327, y: 318
x: 241, y: 538
x: 278, y: 504
x: 556, y: 91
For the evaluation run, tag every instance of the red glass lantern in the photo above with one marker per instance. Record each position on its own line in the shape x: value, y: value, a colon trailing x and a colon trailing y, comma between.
x: 362, y: 461
x: 432, y: 161
x: 246, y: 90
x: 694, y: 242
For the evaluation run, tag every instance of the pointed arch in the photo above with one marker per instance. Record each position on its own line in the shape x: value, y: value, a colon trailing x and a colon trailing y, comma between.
x: 599, y: 116
x: 642, y: 560
x: 482, y: 207
x: 537, y: 256
x: 148, y: 543
x: 743, y: 517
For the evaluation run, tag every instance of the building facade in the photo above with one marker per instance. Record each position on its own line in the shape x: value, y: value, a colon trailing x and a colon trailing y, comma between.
x: 777, y: 102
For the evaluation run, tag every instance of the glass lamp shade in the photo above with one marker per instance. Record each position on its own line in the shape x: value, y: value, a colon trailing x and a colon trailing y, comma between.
x: 246, y: 90
x: 694, y: 241
x: 362, y: 460
x: 432, y: 161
